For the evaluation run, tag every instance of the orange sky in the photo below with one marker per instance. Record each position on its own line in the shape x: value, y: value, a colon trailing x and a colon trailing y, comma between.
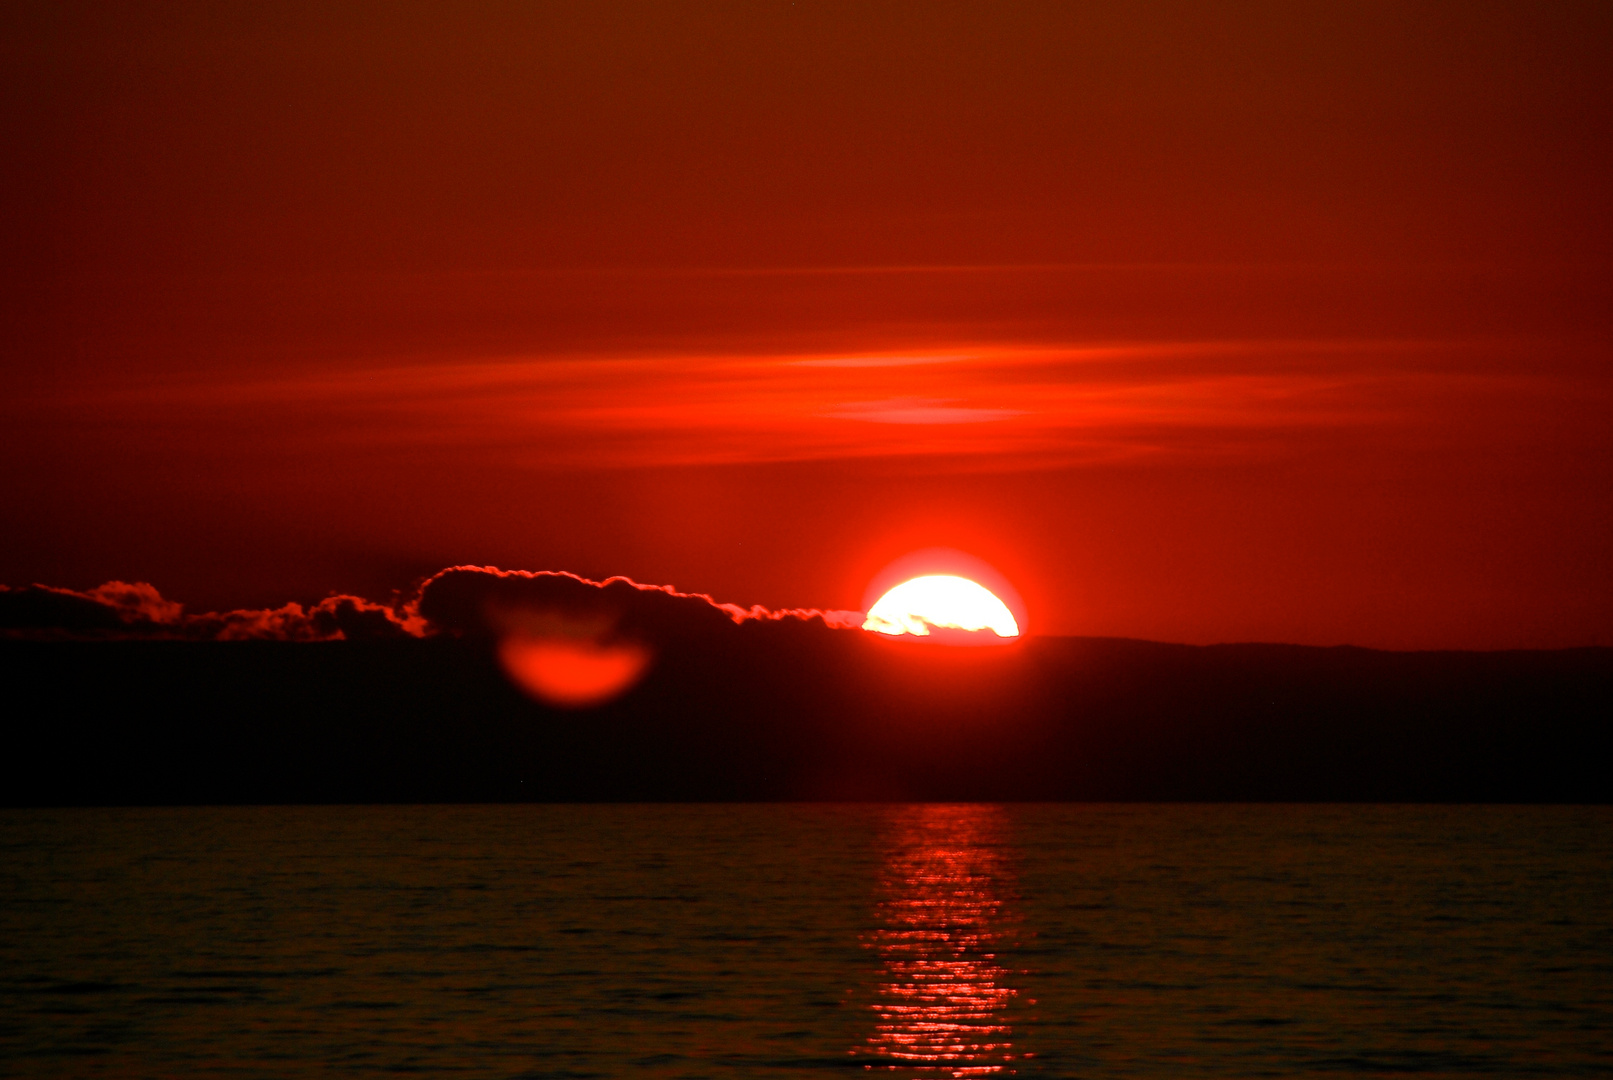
x: 1276, y: 322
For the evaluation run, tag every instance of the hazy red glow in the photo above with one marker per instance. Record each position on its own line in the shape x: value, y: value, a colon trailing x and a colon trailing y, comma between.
x: 1278, y: 323
x: 943, y: 995
x: 572, y: 673
x: 1374, y: 494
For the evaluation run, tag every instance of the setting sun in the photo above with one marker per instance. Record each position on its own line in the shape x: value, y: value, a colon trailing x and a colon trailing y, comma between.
x: 940, y: 600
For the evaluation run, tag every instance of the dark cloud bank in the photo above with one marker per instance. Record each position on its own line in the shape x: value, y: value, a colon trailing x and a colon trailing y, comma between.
x: 116, y: 695
x: 457, y: 600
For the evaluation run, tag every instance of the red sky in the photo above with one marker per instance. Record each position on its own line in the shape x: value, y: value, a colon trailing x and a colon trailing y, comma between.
x: 1201, y: 323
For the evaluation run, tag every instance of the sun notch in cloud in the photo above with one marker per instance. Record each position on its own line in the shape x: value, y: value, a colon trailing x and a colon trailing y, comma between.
x: 923, y: 604
x: 946, y: 597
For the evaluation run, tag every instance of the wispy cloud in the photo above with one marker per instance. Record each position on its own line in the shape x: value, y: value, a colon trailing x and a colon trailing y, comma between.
x: 1033, y: 406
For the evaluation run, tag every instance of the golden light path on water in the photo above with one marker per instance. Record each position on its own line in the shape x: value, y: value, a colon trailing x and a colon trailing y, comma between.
x: 942, y: 997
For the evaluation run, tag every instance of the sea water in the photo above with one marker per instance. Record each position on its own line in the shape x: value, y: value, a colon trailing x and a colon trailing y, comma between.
x: 801, y: 940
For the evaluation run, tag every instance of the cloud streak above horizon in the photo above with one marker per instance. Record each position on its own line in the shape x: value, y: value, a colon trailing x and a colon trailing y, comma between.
x: 1017, y: 407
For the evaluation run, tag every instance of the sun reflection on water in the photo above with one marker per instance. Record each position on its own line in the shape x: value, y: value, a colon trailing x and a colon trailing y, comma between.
x: 942, y: 996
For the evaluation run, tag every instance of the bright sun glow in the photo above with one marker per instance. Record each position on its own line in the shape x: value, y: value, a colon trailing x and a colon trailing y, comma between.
x: 942, y: 600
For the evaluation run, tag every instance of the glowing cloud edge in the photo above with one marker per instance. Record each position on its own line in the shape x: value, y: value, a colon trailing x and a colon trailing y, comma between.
x: 942, y: 601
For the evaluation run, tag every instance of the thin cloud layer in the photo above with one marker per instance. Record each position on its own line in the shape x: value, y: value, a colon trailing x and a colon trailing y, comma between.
x: 1020, y: 406
x: 461, y: 600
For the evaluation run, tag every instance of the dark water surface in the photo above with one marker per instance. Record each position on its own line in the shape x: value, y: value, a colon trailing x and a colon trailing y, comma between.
x: 788, y: 940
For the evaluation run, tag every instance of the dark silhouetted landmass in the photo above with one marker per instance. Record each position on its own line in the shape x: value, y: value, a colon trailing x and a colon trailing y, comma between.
x: 794, y: 710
